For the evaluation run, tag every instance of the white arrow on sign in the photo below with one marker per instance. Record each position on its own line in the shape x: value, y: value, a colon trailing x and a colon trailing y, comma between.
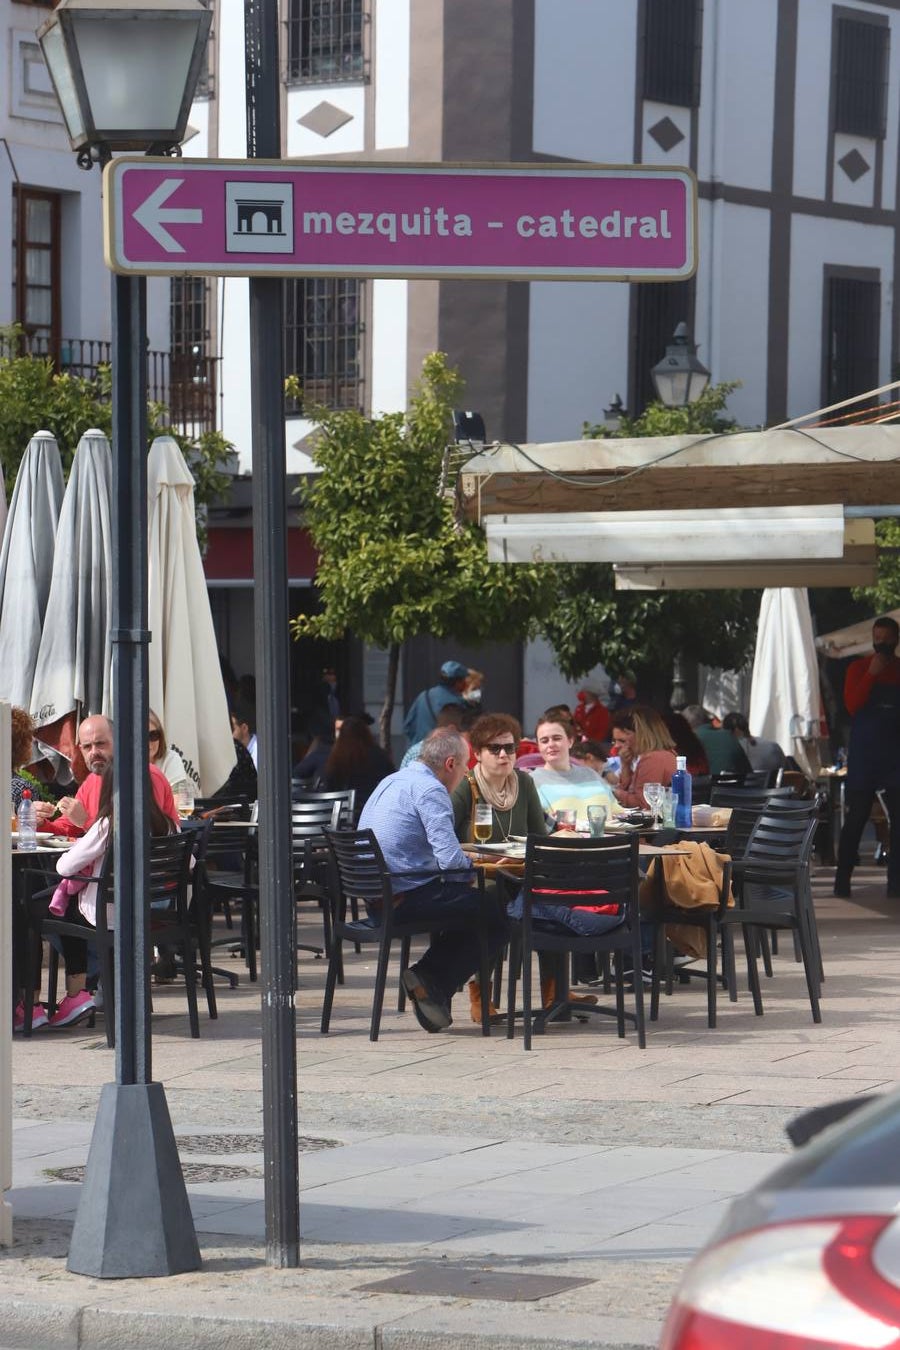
x: 153, y: 218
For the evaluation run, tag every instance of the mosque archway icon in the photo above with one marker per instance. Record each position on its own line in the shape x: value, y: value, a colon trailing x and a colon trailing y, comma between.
x: 259, y: 217
x: 256, y: 216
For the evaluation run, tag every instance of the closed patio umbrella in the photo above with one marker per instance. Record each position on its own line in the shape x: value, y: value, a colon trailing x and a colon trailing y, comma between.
x: 72, y: 674
x: 26, y: 564
x: 186, y: 688
x: 785, y: 702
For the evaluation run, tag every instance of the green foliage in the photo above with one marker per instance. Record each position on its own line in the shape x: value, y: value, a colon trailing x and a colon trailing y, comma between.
x: 885, y: 594
x: 644, y: 631
x: 33, y: 397
x: 394, y: 562
x: 705, y: 417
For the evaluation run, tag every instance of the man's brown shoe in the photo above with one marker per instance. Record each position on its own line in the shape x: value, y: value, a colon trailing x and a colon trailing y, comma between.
x: 430, y: 1009
x: 475, y: 1005
x: 548, y: 994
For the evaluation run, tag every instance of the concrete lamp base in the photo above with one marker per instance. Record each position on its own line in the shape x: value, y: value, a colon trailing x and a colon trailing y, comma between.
x: 133, y: 1217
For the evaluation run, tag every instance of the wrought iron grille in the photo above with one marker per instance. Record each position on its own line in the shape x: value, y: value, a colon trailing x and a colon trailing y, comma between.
x: 852, y: 323
x: 326, y: 41
x: 672, y: 51
x: 861, y: 78
x: 323, y: 343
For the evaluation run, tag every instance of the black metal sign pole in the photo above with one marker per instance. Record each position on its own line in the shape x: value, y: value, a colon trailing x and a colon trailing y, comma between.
x: 276, y: 900
x: 133, y: 1215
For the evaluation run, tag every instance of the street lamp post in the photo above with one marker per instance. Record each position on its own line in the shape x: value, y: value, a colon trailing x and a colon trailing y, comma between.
x: 680, y: 378
x: 124, y: 76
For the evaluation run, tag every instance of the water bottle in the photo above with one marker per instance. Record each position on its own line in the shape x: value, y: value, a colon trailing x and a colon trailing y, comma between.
x: 681, y: 789
x: 27, y: 823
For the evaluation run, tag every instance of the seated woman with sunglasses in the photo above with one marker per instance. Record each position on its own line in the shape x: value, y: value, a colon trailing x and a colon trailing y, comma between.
x: 168, y: 761
x: 515, y: 810
x: 515, y: 806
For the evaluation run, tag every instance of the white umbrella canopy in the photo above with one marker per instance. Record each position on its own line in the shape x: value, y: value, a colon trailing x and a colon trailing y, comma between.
x: 186, y: 688
x: 72, y: 673
x: 785, y: 702
x: 26, y: 564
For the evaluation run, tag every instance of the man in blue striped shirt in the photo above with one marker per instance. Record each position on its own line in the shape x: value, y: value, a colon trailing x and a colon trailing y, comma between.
x: 411, y: 817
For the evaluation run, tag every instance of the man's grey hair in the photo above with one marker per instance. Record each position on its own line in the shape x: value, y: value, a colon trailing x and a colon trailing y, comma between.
x: 440, y: 745
x: 695, y: 716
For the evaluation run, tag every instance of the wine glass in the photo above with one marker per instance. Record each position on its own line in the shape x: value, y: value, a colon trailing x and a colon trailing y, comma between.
x: 483, y: 822
x: 653, y: 795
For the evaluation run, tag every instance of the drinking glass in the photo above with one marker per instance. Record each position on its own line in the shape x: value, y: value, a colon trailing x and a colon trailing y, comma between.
x: 566, y: 818
x: 653, y: 797
x: 596, y: 819
x: 184, y: 801
x: 483, y: 824
x: 668, y: 807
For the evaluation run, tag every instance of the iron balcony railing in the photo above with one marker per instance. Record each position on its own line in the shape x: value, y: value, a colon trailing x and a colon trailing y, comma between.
x: 184, y: 384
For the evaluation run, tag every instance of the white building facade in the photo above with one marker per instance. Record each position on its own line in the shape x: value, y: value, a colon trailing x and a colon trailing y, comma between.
x: 787, y: 111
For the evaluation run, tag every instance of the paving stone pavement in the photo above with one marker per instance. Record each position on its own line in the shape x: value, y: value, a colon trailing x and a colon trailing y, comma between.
x: 588, y: 1158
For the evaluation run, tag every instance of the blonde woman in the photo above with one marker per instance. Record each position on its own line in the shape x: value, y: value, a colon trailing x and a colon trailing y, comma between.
x: 646, y: 750
x: 169, y: 762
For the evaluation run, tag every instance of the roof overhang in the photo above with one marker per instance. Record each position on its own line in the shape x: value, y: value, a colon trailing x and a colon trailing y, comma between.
x: 856, y: 466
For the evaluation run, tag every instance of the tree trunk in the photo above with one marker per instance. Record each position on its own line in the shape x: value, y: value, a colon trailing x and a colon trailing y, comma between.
x: 390, y: 695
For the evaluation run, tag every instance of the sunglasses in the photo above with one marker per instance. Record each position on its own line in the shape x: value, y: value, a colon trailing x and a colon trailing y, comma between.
x: 503, y: 748
x: 152, y: 735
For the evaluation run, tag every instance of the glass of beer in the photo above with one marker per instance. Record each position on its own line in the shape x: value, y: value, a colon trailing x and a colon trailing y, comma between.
x: 483, y: 824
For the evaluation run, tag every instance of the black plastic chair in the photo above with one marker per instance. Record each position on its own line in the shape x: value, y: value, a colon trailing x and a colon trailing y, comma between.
x: 359, y: 873
x: 169, y: 878
x: 346, y: 797
x: 662, y: 912
x: 229, y: 878
x: 773, y: 892
x: 573, y: 872
x: 310, y: 854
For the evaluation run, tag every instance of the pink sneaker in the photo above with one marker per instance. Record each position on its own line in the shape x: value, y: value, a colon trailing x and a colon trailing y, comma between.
x: 72, y: 1009
x: 38, y: 1017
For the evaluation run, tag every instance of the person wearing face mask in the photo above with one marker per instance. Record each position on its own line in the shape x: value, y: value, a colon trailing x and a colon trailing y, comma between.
x: 872, y: 697
x: 472, y: 689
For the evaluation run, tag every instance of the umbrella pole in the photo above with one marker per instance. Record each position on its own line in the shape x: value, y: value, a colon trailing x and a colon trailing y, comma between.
x: 133, y: 1166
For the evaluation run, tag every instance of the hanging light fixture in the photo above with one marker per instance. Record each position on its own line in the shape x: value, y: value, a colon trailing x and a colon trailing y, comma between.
x: 680, y: 378
x: 125, y: 74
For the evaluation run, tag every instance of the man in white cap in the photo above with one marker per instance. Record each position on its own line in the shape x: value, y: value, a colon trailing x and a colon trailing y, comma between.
x: 421, y: 718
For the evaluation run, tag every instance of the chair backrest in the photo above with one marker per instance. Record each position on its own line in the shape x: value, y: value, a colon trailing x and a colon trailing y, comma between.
x: 346, y: 796
x: 577, y: 871
x: 228, y: 840
x: 740, y: 828
x: 169, y: 868
x: 358, y: 866
x: 308, y: 819
x: 783, y: 836
x: 732, y: 795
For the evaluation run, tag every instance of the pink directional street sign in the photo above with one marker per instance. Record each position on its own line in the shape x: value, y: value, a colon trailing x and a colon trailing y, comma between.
x: 535, y: 222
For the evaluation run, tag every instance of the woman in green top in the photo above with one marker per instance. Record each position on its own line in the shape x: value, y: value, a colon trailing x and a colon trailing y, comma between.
x: 515, y: 806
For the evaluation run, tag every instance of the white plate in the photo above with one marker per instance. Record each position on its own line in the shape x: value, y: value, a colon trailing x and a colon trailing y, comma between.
x: 510, y: 850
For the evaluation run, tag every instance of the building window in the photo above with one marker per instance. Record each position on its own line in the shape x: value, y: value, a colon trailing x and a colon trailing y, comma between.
x: 673, y: 32
x: 36, y: 269
x: 323, y: 340
x: 861, y: 77
x: 659, y: 307
x: 852, y: 321
x: 192, y: 366
x: 325, y: 41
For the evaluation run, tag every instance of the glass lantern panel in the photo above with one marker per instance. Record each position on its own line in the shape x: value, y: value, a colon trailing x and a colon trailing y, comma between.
x: 57, y: 59
x: 135, y: 70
